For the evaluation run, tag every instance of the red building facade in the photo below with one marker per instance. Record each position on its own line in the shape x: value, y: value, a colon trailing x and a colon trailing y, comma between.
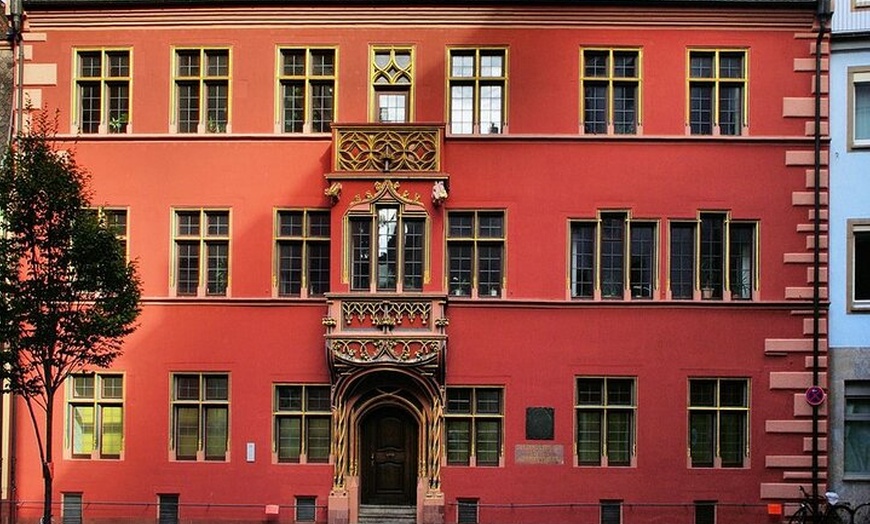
x: 473, y: 262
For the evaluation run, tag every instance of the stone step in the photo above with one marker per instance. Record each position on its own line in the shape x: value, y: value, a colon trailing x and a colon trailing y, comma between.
x: 383, y: 514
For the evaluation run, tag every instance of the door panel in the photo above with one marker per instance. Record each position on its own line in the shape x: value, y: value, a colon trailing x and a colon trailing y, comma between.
x: 389, y: 457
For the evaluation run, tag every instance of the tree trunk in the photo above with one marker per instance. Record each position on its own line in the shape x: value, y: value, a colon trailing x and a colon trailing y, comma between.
x: 47, y: 467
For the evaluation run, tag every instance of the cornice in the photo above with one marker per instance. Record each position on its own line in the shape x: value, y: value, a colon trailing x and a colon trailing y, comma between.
x: 586, y: 16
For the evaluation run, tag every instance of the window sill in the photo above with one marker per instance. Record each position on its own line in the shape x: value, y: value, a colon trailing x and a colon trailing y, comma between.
x: 857, y: 477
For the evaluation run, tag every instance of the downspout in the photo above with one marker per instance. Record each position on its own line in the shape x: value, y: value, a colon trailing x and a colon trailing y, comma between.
x: 822, y: 13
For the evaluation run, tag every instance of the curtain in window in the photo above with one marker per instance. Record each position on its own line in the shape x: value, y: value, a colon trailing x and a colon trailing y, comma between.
x: 862, y: 111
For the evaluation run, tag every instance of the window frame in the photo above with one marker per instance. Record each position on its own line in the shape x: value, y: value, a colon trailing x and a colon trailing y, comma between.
x: 854, y: 228
x: 304, y: 414
x: 308, y: 79
x: 202, y: 403
x: 477, y: 240
x: 97, y: 400
x: 718, y: 81
x: 476, y: 81
x: 606, y: 408
x: 107, y: 124
x: 201, y: 80
x: 203, y: 240
x: 856, y: 75
x: 392, y: 86
x: 305, y: 240
x: 855, y: 391
x: 717, y: 409
x: 610, y: 80
x: 474, y: 417
x: 627, y: 268
x: 703, y: 261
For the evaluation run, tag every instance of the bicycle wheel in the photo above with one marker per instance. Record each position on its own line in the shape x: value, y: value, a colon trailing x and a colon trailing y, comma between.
x: 838, y: 514
x: 801, y: 516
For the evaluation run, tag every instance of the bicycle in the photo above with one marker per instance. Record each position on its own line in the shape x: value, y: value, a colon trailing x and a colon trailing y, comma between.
x: 830, y: 511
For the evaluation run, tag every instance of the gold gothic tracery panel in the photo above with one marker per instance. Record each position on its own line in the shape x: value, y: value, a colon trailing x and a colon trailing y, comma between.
x: 378, y: 149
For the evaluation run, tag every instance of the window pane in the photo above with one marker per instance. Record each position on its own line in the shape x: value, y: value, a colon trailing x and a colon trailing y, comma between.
x: 488, y: 401
x: 323, y: 62
x: 83, y: 386
x: 732, y: 435
x: 712, y: 254
x: 702, y: 393
x: 595, y: 107
x: 289, y: 398
x: 459, y: 400
x: 458, y: 441
x: 861, y: 265
x: 322, y: 103
x: 642, y: 260
x: 388, y: 221
x: 90, y: 64
x: 289, y: 439
x: 589, y: 437
x: 491, y: 97
x: 216, y: 387
x: 186, y: 432
x: 491, y: 225
x: 294, y: 106
x: 741, y: 260
x: 168, y: 509
x: 625, y: 108
x: 188, y: 63
x: 619, y: 431
x: 461, y: 109
x: 112, y: 431
x: 582, y: 260
x: 188, y: 107
x: 701, y: 108
x: 620, y: 392
x: 610, y: 513
x: 732, y: 393
x: 487, y: 442
x: 82, y: 430
x: 318, y: 439
x: 731, y: 65
x: 413, y: 254
x: 461, y: 225
x: 595, y: 63
x: 72, y: 508
x: 862, y: 111
x: 215, y: 433
x: 612, y: 255
x: 317, y: 399
x: 294, y: 62
x: 701, y: 65
x: 590, y: 391
x: 856, y: 439
x: 701, y: 430
x: 217, y: 63
x: 462, y: 64
x: 489, y: 270
x: 187, y: 279
x: 318, y: 268
x: 730, y: 109
x: 289, y: 268
x: 89, y: 106
x: 460, y: 264
x: 360, y: 230
x: 187, y: 387
x: 218, y: 268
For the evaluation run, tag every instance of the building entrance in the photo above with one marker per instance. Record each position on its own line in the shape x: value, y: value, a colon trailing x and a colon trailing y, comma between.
x: 389, y: 457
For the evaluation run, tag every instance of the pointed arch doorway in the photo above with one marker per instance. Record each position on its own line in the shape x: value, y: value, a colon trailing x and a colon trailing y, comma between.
x: 389, y: 450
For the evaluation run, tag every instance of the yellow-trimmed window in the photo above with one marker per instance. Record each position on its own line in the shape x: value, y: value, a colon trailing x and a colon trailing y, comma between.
x: 96, y: 415
x: 102, y: 90
x: 476, y: 253
x: 477, y: 84
x: 717, y: 91
x: 392, y: 84
x: 610, y: 82
x: 201, y: 90
x: 200, y: 416
x: 303, y: 420
x: 115, y: 219
x: 718, y: 422
x: 201, y: 243
x: 306, y: 80
x: 302, y: 252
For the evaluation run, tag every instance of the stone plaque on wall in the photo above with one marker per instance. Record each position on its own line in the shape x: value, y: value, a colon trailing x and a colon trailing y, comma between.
x: 539, y: 454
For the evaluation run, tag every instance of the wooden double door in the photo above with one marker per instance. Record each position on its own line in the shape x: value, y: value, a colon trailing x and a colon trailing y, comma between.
x: 388, y: 465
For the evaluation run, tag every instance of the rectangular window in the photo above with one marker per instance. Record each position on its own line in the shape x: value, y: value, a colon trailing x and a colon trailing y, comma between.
x: 858, y: 264
x: 856, y: 437
x: 307, y: 89
x: 705, y: 512
x: 102, y: 91
x: 476, y: 253
x: 395, y: 241
x: 201, y: 240
x: 717, y: 92
x: 477, y: 82
x: 725, y: 258
x: 303, y: 418
x: 302, y: 252
x: 605, y: 410
x: 474, y: 418
x: 200, y: 416
x: 611, y: 511
x: 718, y: 422
x: 392, y: 84
x: 306, y: 509
x: 614, y: 252
x: 167, y: 508
x: 115, y: 220
x: 96, y: 415
x: 467, y: 511
x: 859, y: 107
x: 201, y: 82
x: 72, y: 508
x: 610, y: 87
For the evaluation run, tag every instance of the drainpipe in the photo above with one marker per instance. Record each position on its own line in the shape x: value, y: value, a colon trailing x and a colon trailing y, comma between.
x: 822, y: 13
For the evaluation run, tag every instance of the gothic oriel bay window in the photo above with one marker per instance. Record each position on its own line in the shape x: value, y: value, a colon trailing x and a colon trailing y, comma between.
x: 200, y: 416
x: 303, y: 419
x: 102, y: 90
x: 610, y: 80
x: 717, y: 92
x: 614, y: 253
x: 96, y: 415
x: 478, y: 90
x: 387, y: 249
x: 392, y: 84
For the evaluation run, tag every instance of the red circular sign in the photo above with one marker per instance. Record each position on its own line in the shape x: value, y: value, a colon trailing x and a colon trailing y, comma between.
x: 815, y: 396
